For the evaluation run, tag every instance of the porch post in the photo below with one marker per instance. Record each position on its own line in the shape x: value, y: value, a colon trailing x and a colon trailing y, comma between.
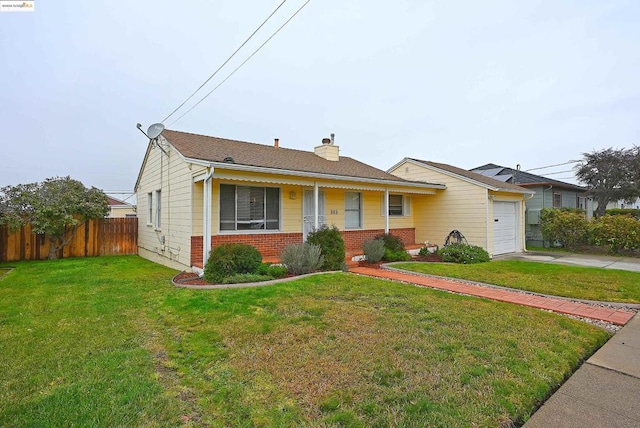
x: 316, y: 208
x: 206, y: 217
x: 386, y: 210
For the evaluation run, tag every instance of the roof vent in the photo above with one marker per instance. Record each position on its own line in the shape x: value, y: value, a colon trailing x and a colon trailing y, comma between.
x: 326, y: 141
x: 228, y: 159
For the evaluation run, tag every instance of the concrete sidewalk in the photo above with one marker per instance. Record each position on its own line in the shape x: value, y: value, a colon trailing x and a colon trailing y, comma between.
x: 603, y: 392
x: 599, y: 261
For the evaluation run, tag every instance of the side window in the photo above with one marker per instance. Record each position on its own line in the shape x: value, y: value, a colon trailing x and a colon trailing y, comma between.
x: 150, y: 208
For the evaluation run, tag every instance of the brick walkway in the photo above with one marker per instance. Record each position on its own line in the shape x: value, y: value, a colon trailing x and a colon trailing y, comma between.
x: 614, y: 316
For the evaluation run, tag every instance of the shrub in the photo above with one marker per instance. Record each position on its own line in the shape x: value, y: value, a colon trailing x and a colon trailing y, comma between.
x: 274, y: 271
x: 331, y: 244
x: 392, y: 242
x: 427, y: 251
x: 230, y: 259
x: 302, y: 258
x: 395, y: 256
x: 617, y: 232
x: 241, y: 278
x: 373, y: 249
x: 566, y: 227
x: 463, y: 253
x: 635, y: 213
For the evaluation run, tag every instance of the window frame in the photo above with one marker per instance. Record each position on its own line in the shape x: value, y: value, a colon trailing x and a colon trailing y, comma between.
x: 402, y: 202
x: 351, y: 210
x: 157, y: 219
x: 553, y: 200
x: 267, y: 206
x: 150, y: 208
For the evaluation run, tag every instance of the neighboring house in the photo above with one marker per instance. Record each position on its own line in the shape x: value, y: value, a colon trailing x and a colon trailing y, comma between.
x: 488, y: 212
x: 632, y: 204
x: 549, y: 193
x: 195, y: 192
x: 119, y: 209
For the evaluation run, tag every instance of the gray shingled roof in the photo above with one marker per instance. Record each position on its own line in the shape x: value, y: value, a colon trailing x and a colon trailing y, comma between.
x: 523, y: 178
x: 491, y: 182
x: 214, y: 149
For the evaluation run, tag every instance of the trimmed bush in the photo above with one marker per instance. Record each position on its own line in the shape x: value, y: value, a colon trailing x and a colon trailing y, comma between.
x: 463, y: 253
x: 392, y: 242
x: 230, y: 259
x: 567, y: 227
x: 243, y: 278
x: 273, y: 271
x: 395, y: 256
x: 618, y: 232
x: 302, y: 258
x: 331, y: 244
x: 373, y: 249
x: 633, y: 212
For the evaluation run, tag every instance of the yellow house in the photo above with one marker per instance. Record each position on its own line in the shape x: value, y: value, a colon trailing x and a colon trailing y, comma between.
x: 488, y: 212
x: 196, y: 192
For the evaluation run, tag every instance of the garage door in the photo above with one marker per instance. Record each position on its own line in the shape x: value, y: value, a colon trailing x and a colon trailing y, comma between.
x: 504, y: 227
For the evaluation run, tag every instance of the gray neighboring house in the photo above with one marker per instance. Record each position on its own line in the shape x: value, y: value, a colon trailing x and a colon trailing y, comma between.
x: 550, y: 193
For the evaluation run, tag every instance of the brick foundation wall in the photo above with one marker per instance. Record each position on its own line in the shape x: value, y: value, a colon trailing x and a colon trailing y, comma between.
x: 272, y: 244
x: 269, y: 244
x: 354, y: 239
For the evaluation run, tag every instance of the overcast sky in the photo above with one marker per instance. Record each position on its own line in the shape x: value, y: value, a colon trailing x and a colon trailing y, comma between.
x: 461, y: 82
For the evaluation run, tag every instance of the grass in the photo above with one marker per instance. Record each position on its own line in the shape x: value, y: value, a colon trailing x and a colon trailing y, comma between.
x: 109, y: 342
x: 576, y: 282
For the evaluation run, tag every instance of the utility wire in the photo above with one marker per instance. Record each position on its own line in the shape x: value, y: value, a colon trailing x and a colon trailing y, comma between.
x: 225, y: 63
x: 551, y: 166
x: 558, y: 172
x: 243, y: 63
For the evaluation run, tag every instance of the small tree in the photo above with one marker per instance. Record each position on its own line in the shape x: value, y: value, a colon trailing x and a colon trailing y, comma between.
x: 610, y: 175
x: 56, y: 207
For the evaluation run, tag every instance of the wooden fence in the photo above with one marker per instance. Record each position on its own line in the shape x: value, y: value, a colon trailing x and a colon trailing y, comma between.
x: 102, y: 237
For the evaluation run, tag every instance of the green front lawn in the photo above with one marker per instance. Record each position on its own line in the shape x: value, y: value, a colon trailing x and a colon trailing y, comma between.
x: 110, y: 342
x: 576, y: 282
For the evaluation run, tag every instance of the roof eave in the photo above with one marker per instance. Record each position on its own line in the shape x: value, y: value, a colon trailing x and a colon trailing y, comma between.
x: 258, y: 169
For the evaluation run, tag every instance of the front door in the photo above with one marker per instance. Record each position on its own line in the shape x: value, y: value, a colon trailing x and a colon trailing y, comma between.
x: 308, y: 209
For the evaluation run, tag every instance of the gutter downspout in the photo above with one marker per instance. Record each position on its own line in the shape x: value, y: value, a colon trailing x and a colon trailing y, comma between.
x: 206, y: 218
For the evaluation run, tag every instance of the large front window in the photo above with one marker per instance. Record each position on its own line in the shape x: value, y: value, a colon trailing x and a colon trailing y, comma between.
x: 249, y: 208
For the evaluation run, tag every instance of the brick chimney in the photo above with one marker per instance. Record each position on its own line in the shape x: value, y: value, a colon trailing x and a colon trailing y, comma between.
x: 328, y: 150
x: 276, y: 142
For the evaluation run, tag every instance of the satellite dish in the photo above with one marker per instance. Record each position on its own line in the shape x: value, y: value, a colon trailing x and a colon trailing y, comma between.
x: 155, y: 130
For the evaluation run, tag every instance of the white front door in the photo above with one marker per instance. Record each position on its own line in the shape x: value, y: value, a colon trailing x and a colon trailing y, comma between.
x: 504, y: 227
x: 308, y: 209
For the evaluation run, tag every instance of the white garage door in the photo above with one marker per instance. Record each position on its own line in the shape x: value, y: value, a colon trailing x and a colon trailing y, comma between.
x: 504, y: 227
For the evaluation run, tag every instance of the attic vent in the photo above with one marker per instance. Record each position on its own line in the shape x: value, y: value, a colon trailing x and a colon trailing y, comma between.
x: 228, y: 159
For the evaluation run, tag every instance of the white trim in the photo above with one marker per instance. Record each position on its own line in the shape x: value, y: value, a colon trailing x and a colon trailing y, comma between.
x: 459, y: 177
x: 309, y: 183
x: 249, y: 168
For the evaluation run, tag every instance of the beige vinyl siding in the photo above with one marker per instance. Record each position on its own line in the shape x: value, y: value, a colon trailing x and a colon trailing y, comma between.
x: 462, y: 206
x: 172, y: 176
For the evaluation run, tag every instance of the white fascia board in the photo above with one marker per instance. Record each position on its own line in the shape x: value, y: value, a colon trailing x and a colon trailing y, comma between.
x: 467, y: 179
x: 398, y: 165
x: 258, y: 169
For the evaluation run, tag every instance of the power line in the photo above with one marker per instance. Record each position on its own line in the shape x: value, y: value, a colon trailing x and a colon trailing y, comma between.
x: 243, y: 63
x: 225, y: 63
x: 558, y: 172
x: 551, y: 166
